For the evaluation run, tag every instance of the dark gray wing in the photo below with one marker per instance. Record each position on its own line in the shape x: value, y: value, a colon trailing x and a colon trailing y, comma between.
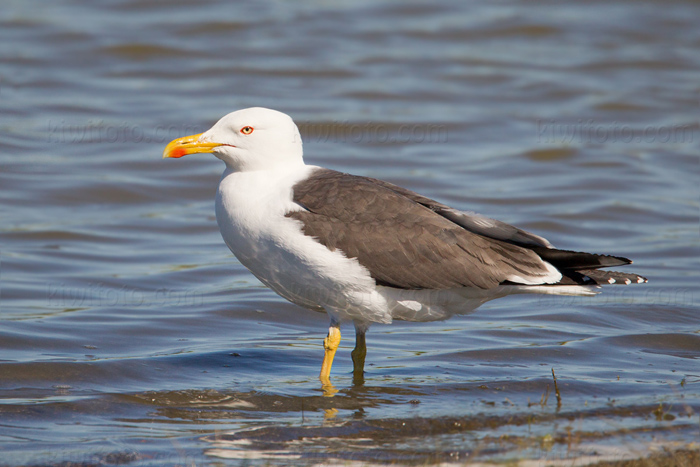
x: 472, y: 221
x: 406, y: 244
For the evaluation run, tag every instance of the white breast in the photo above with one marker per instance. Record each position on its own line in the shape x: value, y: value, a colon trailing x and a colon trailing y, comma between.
x: 250, y: 211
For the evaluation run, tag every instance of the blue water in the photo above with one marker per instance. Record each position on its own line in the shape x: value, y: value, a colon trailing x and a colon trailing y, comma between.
x: 130, y: 334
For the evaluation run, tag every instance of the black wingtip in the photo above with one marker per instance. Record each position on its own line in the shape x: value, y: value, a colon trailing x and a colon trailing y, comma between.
x: 577, y: 260
x: 614, y: 277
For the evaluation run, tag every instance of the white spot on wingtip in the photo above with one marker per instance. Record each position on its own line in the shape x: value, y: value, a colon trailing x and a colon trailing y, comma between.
x: 640, y: 280
x: 628, y: 282
x: 611, y: 281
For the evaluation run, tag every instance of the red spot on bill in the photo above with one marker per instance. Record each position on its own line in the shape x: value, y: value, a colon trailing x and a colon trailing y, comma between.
x: 178, y: 152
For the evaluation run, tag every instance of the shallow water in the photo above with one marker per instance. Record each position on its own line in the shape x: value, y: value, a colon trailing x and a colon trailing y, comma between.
x: 131, y: 335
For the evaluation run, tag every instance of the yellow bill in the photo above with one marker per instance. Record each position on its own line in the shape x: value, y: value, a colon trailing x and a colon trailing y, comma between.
x: 188, y: 145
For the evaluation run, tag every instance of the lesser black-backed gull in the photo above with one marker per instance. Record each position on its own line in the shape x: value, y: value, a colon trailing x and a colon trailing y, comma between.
x: 365, y: 250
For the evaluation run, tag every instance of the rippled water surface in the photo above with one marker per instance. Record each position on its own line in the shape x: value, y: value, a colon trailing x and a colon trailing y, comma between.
x: 130, y: 335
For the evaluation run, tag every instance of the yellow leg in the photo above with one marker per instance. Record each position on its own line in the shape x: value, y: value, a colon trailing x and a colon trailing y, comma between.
x: 358, y: 356
x: 330, y: 345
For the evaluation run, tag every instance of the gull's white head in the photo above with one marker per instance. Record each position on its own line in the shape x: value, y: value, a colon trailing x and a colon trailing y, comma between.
x: 246, y: 140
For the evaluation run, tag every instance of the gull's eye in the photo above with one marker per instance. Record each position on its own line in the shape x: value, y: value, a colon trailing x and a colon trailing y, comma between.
x: 246, y: 130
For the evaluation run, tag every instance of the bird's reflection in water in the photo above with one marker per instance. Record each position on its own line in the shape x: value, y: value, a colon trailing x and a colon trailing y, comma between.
x: 358, y: 381
x: 328, y: 389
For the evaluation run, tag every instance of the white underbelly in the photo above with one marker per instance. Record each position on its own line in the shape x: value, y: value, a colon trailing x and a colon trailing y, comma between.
x: 251, y: 217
